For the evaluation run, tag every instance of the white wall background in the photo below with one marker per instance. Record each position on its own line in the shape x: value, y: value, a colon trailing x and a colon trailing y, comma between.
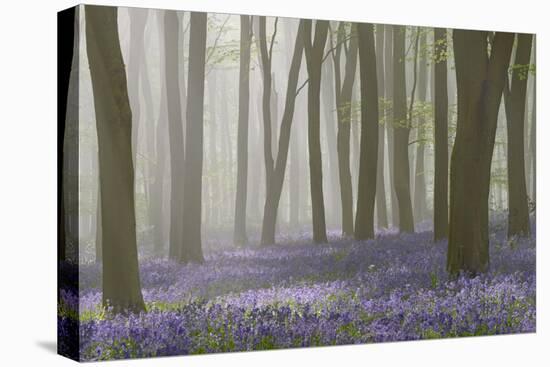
x: 28, y: 182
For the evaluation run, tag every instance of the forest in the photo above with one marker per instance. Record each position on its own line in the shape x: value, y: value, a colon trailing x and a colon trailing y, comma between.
x: 242, y: 182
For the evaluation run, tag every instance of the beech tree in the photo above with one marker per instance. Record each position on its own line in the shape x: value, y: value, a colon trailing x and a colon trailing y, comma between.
x: 175, y: 131
x: 120, y: 279
x: 239, y: 232
x: 192, y: 180
x: 314, y: 51
x: 441, y: 145
x: 381, y: 204
x: 364, y: 220
x: 481, y: 74
x: 515, y: 104
x: 273, y: 195
x: 343, y: 93
x: 401, y: 131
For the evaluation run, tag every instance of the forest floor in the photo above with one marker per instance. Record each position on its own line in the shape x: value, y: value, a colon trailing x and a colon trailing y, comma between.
x: 299, y: 294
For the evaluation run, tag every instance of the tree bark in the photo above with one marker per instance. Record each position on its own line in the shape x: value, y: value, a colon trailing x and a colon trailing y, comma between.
x: 121, y: 284
x: 175, y: 130
x: 192, y: 181
x: 388, y: 82
x: 401, y: 134
x: 441, y: 124
x: 420, y: 205
x: 138, y: 18
x: 515, y: 99
x: 343, y: 102
x: 239, y: 231
x: 314, y: 56
x: 480, y: 82
x: 381, y: 204
x: 274, y: 194
x: 364, y: 220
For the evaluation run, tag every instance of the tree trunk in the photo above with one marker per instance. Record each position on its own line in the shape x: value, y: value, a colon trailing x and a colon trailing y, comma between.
x: 441, y: 164
x: 401, y: 134
x: 533, y: 136
x: 515, y: 99
x: 215, y: 169
x: 420, y: 206
x: 480, y: 82
x: 364, y: 220
x: 157, y: 186
x: 314, y: 56
x: 381, y: 205
x: 192, y: 181
x: 329, y: 100
x: 175, y: 131
x: 138, y: 18
x: 343, y: 101
x: 239, y: 232
x: 121, y: 284
x: 274, y: 194
x: 388, y: 83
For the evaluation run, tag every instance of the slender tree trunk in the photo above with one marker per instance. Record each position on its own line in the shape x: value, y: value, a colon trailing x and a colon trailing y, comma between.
x: 401, y: 133
x: 138, y: 18
x: 381, y: 208
x: 274, y: 194
x: 343, y: 101
x: 239, y: 232
x: 192, y: 182
x: 175, y: 131
x: 515, y: 98
x: 314, y: 55
x: 215, y: 170
x: 158, y: 168
x: 390, y: 121
x: 533, y: 135
x: 480, y: 82
x: 265, y: 57
x: 329, y: 100
x: 420, y: 206
x: 364, y: 220
x: 441, y: 164
x: 121, y: 284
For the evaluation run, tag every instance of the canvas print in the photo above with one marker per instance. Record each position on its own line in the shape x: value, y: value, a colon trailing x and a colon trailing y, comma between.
x: 240, y: 183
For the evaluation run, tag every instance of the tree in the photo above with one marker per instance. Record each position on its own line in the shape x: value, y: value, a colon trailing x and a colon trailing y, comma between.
x: 364, y: 220
x: 480, y: 78
x: 343, y: 113
x: 314, y: 59
x: 175, y: 131
x: 441, y: 157
x: 121, y: 284
x: 192, y: 181
x: 401, y: 130
x: 239, y: 232
x: 381, y: 207
x: 515, y: 104
x: 273, y: 195
x: 138, y: 18
x: 420, y: 205
x: 265, y: 58
x: 388, y: 96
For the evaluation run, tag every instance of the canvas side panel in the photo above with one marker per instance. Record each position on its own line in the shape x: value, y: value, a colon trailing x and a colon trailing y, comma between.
x: 67, y: 187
